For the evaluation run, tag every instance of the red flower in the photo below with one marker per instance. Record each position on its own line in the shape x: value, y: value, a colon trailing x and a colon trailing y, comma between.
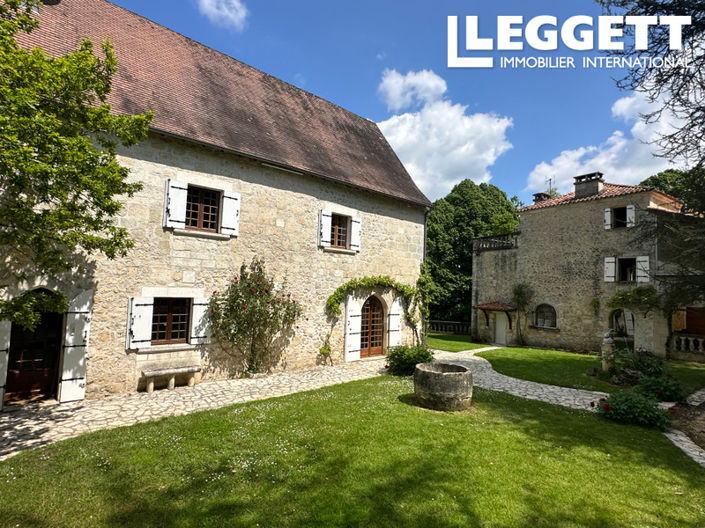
x: 278, y: 301
x: 244, y: 307
x: 606, y: 406
x: 659, y: 393
x: 267, y: 302
x: 288, y: 295
x: 294, y: 302
x: 266, y: 290
x: 235, y: 277
x: 386, y: 366
x: 212, y: 310
x: 307, y: 318
x: 672, y: 410
x: 215, y: 291
x: 592, y: 404
x: 602, y: 399
x: 254, y: 291
x: 297, y: 327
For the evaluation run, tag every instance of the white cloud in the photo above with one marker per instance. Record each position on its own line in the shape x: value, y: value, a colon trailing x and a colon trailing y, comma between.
x: 626, y: 158
x: 413, y: 89
x: 227, y: 13
x: 440, y: 144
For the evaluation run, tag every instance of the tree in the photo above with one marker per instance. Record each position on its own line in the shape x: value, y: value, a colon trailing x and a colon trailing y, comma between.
x: 469, y: 211
x: 251, y: 320
x: 60, y: 181
x: 677, y: 89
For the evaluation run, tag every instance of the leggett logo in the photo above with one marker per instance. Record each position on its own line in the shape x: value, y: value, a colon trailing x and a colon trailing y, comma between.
x: 578, y: 33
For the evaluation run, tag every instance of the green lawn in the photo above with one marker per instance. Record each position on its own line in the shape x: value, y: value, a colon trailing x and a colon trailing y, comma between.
x: 567, y: 369
x: 360, y: 454
x: 451, y: 343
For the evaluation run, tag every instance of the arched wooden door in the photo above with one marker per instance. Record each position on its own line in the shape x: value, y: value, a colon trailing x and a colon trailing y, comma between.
x: 372, y: 328
x: 34, y: 359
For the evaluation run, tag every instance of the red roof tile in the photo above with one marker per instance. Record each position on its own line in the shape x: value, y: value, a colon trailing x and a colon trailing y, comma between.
x: 202, y: 95
x: 610, y: 190
x: 496, y: 306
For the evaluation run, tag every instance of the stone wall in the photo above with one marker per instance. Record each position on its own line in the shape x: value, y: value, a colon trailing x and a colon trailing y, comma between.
x: 560, y: 254
x: 278, y: 222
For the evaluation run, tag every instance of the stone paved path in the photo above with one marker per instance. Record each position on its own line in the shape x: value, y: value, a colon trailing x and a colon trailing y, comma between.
x: 36, y: 425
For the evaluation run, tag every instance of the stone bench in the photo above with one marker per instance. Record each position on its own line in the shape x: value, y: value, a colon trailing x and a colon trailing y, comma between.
x: 171, y: 372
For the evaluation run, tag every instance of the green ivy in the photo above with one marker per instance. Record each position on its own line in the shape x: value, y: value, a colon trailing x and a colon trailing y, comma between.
x: 334, y: 301
x: 639, y: 299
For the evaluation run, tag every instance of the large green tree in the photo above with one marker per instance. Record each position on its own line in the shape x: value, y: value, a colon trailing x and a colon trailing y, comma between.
x: 469, y: 211
x: 60, y: 181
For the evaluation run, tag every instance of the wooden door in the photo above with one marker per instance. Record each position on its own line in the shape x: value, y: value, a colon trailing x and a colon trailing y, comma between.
x: 372, y: 328
x: 34, y: 359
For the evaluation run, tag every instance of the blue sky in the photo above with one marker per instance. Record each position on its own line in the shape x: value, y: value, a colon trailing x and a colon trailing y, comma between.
x: 386, y: 60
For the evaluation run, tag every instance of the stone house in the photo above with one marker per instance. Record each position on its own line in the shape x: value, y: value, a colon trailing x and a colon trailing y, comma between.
x: 575, y: 252
x: 238, y: 164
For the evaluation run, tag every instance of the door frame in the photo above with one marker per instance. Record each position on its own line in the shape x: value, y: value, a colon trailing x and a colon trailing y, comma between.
x: 383, y: 332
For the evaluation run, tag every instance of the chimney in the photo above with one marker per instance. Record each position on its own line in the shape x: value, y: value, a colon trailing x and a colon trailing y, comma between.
x: 541, y: 197
x: 588, y: 184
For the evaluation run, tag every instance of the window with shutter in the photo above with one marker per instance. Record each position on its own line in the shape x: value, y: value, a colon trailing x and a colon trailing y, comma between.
x: 170, y: 321
x: 353, y: 325
x: 139, y: 322
x: 626, y: 270
x: 230, y: 222
x: 631, y: 216
x: 339, y: 231
x: 619, y: 217
x: 202, y: 209
x: 199, y: 322
x: 642, y: 269
x: 175, y: 204
x: 72, y: 386
x: 395, y: 324
x: 325, y: 222
x: 608, y: 218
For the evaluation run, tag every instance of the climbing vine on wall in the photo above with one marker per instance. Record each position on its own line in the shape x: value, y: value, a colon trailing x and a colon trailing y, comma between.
x: 383, y: 281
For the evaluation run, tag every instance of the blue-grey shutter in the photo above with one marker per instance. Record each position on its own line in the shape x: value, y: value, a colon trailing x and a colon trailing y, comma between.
x: 610, y: 269
x: 642, y: 269
x: 631, y: 216
x: 608, y: 218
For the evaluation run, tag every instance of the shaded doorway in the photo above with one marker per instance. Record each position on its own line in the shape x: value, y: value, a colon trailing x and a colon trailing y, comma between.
x: 33, y: 360
x: 372, y: 328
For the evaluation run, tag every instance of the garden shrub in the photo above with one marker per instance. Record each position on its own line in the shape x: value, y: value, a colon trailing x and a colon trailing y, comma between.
x: 402, y: 360
x: 252, y: 320
x: 637, y: 360
x: 664, y: 388
x: 631, y: 407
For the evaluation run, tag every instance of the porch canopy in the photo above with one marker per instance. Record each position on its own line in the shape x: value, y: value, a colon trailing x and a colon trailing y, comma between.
x: 496, y: 306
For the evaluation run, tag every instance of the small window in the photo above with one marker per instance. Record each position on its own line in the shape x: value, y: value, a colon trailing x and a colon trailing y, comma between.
x: 339, y: 231
x: 626, y: 270
x: 619, y: 217
x: 202, y: 209
x: 545, y: 316
x: 170, y: 320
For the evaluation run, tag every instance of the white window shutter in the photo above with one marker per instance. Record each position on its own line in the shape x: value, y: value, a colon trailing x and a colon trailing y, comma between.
x: 642, y: 269
x: 5, y: 330
x: 353, y: 320
x: 395, y: 325
x: 631, y: 216
x: 199, y: 334
x: 139, y: 322
x: 629, y: 322
x: 608, y: 218
x: 610, y: 269
x: 72, y: 386
x: 324, y: 228
x: 175, y: 204
x: 230, y: 214
x: 355, y: 231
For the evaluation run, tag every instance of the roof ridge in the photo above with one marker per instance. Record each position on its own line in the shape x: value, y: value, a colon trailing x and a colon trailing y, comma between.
x: 230, y: 57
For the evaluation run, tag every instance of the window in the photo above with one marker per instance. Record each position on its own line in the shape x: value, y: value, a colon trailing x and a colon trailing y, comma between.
x: 626, y: 270
x: 202, y: 209
x: 170, y: 320
x: 189, y: 209
x: 620, y: 217
x: 339, y: 231
x: 545, y: 316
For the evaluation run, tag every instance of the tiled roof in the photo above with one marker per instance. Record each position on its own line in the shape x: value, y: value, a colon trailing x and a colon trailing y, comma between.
x: 202, y: 95
x: 610, y: 190
x: 496, y: 306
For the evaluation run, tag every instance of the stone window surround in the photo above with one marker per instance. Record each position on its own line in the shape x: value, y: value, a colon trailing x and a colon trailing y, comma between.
x: 340, y: 210
x: 535, y: 326
x: 214, y: 183
x: 169, y: 291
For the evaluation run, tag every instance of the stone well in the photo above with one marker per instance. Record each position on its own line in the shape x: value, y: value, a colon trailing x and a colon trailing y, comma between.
x: 443, y: 386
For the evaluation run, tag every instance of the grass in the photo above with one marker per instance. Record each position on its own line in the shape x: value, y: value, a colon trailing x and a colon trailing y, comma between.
x: 567, y: 369
x: 360, y: 454
x: 451, y: 343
